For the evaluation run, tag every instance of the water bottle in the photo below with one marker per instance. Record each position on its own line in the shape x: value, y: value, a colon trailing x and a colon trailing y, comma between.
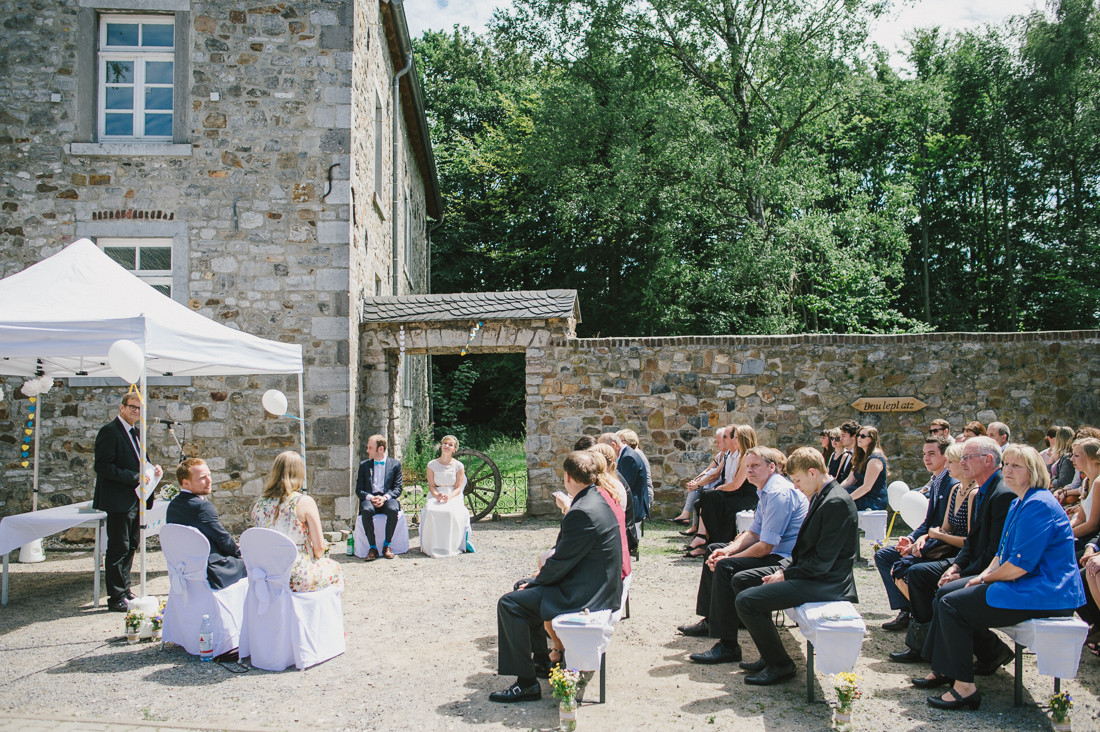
x: 351, y: 545
x: 206, y: 640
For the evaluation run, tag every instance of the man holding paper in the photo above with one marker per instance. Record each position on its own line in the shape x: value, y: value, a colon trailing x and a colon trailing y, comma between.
x: 117, y: 466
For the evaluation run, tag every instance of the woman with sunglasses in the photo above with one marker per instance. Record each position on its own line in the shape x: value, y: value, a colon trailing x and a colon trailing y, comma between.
x: 867, y: 481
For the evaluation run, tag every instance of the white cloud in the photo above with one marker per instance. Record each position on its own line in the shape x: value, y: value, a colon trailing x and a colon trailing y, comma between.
x: 950, y: 15
x: 445, y: 14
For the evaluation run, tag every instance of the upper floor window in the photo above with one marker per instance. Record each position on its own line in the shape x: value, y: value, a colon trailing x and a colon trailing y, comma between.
x: 148, y: 258
x: 136, y: 74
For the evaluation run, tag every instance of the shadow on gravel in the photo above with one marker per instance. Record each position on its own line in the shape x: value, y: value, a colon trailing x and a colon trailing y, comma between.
x: 476, y: 709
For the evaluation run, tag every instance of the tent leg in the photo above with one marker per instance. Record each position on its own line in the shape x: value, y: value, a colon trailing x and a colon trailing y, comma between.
x: 37, y: 425
x: 302, y: 424
x: 144, y: 461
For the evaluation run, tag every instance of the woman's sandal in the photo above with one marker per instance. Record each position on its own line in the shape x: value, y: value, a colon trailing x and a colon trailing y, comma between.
x: 1094, y: 648
x: 690, y: 553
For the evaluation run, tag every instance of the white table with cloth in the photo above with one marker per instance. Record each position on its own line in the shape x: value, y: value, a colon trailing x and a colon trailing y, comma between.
x: 23, y: 528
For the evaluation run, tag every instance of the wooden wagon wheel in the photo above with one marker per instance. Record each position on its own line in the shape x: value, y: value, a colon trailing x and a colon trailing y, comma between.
x: 483, y: 482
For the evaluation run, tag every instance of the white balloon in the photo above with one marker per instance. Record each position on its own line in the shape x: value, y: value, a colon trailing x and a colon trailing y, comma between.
x: 126, y: 360
x: 914, y: 506
x: 895, y: 492
x: 30, y: 387
x: 45, y: 383
x: 274, y: 401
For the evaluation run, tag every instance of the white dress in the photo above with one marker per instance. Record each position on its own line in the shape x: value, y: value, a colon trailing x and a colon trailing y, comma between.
x: 444, y: 526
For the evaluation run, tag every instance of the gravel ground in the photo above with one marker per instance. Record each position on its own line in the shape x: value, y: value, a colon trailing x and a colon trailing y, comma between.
x: 421, y: 638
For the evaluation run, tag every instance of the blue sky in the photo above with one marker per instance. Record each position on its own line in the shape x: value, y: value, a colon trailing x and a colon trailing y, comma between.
x: 907, y: 14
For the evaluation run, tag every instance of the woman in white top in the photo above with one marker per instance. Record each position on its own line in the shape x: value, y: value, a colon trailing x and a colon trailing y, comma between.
x: 1086, y: 518
x: 444, y: 520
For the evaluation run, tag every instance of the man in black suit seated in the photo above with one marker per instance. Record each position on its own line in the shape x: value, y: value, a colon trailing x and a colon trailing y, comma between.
x: 819, y: 570
x: 981, y: 461
x: 378, y: 486
x: 585, y: 571
x: 192, y: 507
x: 117, y: 466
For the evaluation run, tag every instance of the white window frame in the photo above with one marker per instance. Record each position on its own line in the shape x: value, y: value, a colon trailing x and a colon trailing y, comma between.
x: 139, y: 55
x: 152, y: 277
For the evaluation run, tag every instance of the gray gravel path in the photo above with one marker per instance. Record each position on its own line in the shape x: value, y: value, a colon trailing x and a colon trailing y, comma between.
x: 421, y: 637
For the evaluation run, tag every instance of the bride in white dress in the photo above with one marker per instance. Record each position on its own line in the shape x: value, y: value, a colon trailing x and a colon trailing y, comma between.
x: 444, y: 520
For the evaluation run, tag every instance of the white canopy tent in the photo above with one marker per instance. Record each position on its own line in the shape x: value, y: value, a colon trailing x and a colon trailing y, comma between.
x: 61, y: 316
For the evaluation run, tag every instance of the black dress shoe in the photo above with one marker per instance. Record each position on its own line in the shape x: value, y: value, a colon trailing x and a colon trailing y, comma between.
x: 901, y: 622
x: 129, y: 595
x: 771, y: 675
x: 696, y: 630
x: 906, y: 656
x: 936, y: 681
x: 118, y: 606
x: 753, y: 666
x: 517, y: 693
x: 689, y: 532
x: 973, y: 701
x: 988, y: 668
x: 720, y: 653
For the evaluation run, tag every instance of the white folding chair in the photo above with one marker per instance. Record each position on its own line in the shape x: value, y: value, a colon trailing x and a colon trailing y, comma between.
x: 190, y: 597
x: 284, y: 628
x: 400, y: 543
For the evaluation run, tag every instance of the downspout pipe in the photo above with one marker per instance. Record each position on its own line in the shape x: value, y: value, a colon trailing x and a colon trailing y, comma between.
x: 395, y: 210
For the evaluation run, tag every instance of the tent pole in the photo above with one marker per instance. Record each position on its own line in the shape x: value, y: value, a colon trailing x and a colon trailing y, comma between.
x: 141, y: 472
x: 37, y: 424
x: 302, y: 427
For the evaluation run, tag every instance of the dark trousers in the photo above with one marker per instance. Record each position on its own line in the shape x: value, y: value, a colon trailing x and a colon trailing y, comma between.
x: 122, y: 541
x: 519, y: 632
x: 1089, y: 612
x: 722, y: 612
x: 962, y: 625
x: 756, y: 602
x: 390, y: 508
x: 884, y: 560
x: 923, y: 580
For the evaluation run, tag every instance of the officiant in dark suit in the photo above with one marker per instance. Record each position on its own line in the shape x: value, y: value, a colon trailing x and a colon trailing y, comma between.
x: 117, y: 472
x: 192, y: 507
x: 819, y: 570
x: 378, y: 486
x: 584, y: 572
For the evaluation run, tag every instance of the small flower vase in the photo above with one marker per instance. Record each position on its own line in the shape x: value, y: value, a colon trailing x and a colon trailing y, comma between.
x: 156, y: 634
x: 567, y: 715
x: 1063, y: 726
x: 842, y: 718
x: 132, y: 637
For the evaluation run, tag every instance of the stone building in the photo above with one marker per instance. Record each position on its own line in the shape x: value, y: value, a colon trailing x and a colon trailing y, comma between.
x: 267, y: 165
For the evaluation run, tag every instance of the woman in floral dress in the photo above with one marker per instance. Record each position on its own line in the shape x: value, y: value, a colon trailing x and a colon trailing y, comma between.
x: 284, y: 508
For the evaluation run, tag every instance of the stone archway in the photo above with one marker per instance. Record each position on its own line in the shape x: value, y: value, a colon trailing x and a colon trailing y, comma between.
x: 394, y: 331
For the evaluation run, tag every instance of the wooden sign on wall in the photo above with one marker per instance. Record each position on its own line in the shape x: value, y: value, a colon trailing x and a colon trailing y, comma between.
x: 888, y: 404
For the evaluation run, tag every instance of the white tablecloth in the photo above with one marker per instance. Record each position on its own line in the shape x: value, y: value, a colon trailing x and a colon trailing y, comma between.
x: 873, y: 525
x: 1056, y: 643
x: 23, y: 528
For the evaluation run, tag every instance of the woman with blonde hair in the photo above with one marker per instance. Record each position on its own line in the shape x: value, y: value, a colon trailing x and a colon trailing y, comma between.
x: 718, y: 508
x: 286, y: 509
x: 1061, y: 461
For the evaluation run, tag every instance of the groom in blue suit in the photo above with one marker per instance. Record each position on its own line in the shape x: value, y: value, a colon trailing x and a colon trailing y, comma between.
x: 378, y: 487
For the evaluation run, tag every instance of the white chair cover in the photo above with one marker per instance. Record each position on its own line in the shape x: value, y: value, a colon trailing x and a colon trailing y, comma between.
x: 1056, y: 643
x: 585, y: 637
x: 873, y: 525
x: 618, y: 614
x: 744, y: 520
x: 444, y: 528
x: 190, y: 597
x: 400, y: 543
x: 284, y: 628
x: 836, y: 631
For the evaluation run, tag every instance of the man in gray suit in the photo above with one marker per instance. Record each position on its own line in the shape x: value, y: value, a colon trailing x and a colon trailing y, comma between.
x: 585, y: 571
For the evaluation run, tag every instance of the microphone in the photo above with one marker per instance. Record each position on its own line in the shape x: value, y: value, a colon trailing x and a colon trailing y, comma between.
x: 159, y: 420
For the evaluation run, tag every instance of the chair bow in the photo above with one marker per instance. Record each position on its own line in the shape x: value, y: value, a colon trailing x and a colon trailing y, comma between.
x: 269, y: 587
x: 180, y: 577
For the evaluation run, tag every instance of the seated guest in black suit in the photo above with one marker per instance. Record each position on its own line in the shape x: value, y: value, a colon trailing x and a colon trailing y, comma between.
x: 585, y: 571
x: 1033, y: 575
x: 981, y: 461
x: 938, y: 491
x: 192, y: 507
x: 820, y: 568
x: 378, y: 486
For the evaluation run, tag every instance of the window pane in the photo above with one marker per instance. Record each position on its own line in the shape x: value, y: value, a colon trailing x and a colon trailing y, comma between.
x: 119, y: 124
x: 125, y: 256
x: 156, y: 258
x: 156, y: 35
x: 158, y: 125
x: 165, y: 290
x: 120, y: 97
x: 122, y: 34
x: 120, y: 72
x: 158, y: 72
x: 158, y: 97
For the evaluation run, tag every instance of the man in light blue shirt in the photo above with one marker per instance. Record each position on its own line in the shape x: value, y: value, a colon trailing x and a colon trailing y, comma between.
x: 769, y: 540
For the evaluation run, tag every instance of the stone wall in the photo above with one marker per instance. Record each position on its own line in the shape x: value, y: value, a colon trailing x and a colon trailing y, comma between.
x: 675, y: 391
x: 255, y: 193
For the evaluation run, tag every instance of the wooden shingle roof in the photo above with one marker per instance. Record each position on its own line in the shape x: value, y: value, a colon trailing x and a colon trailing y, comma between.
x: 521, y: 304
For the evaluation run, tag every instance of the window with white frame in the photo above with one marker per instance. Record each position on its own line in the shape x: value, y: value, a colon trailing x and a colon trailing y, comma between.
x: 148, y: 258
x: 136, y: 74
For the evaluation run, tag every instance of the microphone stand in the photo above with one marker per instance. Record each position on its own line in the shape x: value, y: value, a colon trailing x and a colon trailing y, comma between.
x: 179, y: 445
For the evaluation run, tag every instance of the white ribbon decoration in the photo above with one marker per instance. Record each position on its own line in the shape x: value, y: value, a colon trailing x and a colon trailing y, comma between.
x: 179, y: 578
x: 269, y: 587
